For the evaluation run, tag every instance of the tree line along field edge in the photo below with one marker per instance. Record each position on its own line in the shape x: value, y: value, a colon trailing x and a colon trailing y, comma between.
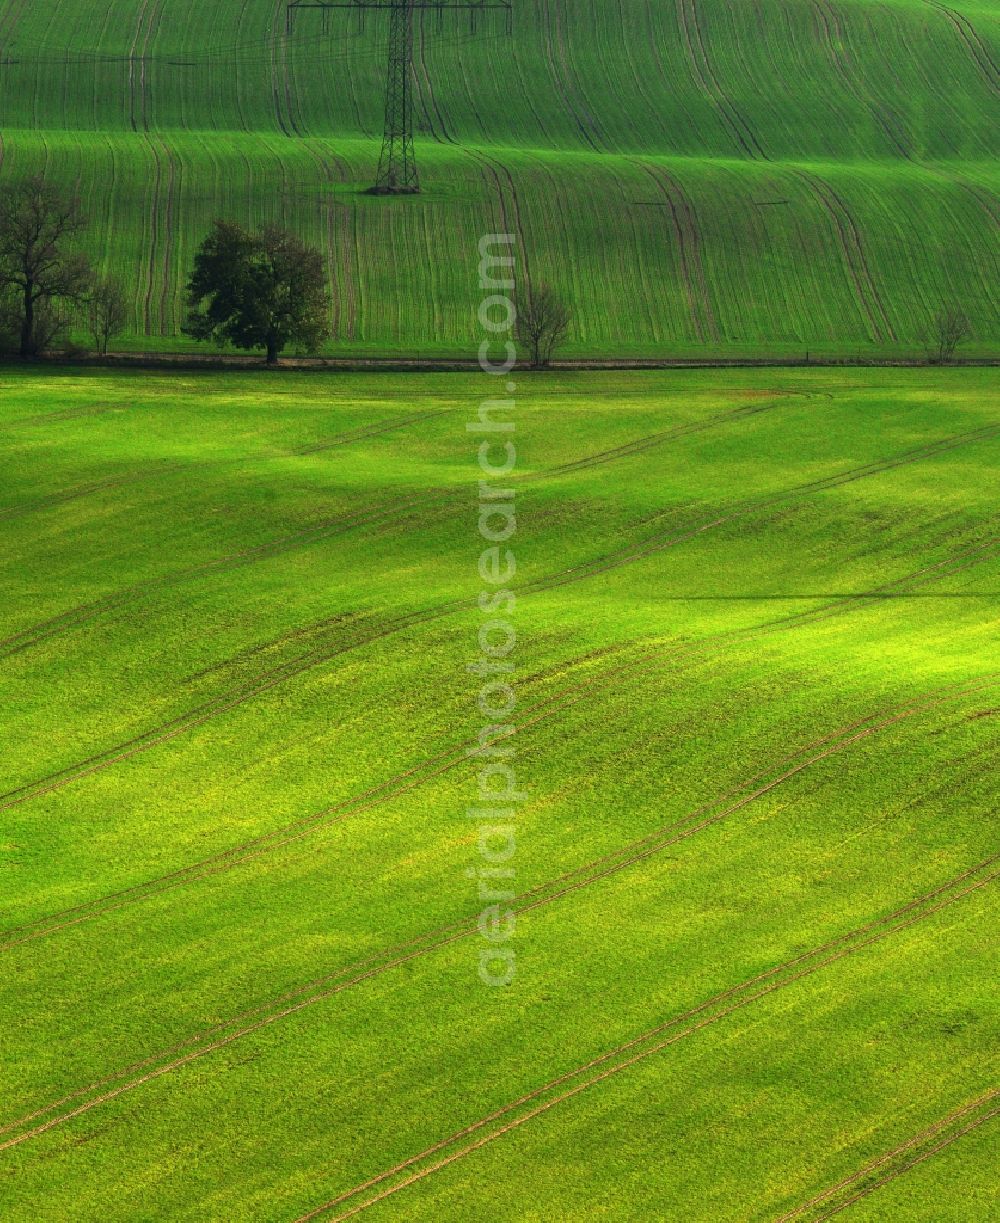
x: 654, y: 255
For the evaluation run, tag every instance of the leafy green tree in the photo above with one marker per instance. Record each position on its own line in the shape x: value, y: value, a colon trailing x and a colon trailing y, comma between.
x: 258, y: 290
x: 39, y: 277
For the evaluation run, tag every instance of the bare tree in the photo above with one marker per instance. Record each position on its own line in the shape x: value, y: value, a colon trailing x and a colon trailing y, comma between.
x: 107, y: 312
x: 949, y: 328
x: 37, y: 273
x: 543, y: 321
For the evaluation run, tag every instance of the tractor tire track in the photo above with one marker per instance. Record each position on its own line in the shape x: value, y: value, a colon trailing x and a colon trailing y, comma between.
x: 140, y: 125
x: 709, y: 84
x: 432, y: 767
x: 275, y: 71
x: 227, y: 701
x: 84, y: 613
x: 558, y: 71
x: 435, y: 122
x: 833, y: 40
x: 9, y: 20
x: 169, y: 225
x: 625, y: 556
x: 137, y: 122
x: 388, y: 957
x: 692, y: 266
x: 588, y: 121
x: 218, y: 1035
x: 497, y: 168
x: 946, y: 1142
x: 235, y: 697
x: 973, y: 42
x: 67, y: 495
x: 281, y: 44
x: 931, y: 1131
x: 76, y: 617
x: 650, y: 1042
x: 866, y: 292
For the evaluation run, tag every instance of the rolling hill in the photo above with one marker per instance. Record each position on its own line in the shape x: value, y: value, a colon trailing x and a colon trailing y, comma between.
x: 696, y: 175
x: 756, y: 859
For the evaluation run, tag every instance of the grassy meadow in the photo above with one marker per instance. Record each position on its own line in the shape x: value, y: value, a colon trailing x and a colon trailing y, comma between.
x: 756, y: 734
x: 695, y: 177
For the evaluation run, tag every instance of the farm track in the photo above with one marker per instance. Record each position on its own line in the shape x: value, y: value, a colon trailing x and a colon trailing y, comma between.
x: 978, y: 51
x: 319, y: 989
x: 834, y: 42
x: 866, y: 292
x: 651, y: 1042
x: 559, y: 73
x: 498, y: 168
x: 139, y: 119
x: 75, y: 617
x: 232, y: 698
x: 943, y: 1132
x: 685, y: 233
x: 709, y: 83
x: 614, y: 560
x: 922, y: 1158
x: 65, y: 496
x: 327, y: 528
x: 432, y: 111
x: 442, y: 762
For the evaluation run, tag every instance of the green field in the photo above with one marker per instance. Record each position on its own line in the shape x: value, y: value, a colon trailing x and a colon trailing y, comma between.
x: 756, y: 737
x: 696, y: 176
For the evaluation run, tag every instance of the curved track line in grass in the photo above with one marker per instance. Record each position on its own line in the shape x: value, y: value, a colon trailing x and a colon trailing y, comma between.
x: 648, y: 1043
x: 689, y: 221
x: 498, y: 167
x: 692, y: 267
x: 974, y: 44
x: 429, y: 103
x: 82, y: 614
x: 706, y: 78
x: 834, y: 43
x: 426, y: 770
x: 625, y: 556
x: 363, y: 432
x: 559, y: 71
x: 275, y: 74
x: 213, y: 708
x: 170, y: 232
x: 140, y: 125
x: 390, y: 957
x: 866, y: 294
x: 67, y: 495
x: 589, y: 120
x: 286, y: 79
x: 931, y: 1131
x: 237, y: 696
x: 139, y: 27
x: 330, y: 984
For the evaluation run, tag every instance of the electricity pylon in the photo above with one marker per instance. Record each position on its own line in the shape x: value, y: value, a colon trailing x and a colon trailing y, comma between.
x: 397, y: 167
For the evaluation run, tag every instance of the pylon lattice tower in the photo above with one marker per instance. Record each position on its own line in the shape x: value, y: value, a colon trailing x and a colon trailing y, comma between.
x: 397, y: 169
